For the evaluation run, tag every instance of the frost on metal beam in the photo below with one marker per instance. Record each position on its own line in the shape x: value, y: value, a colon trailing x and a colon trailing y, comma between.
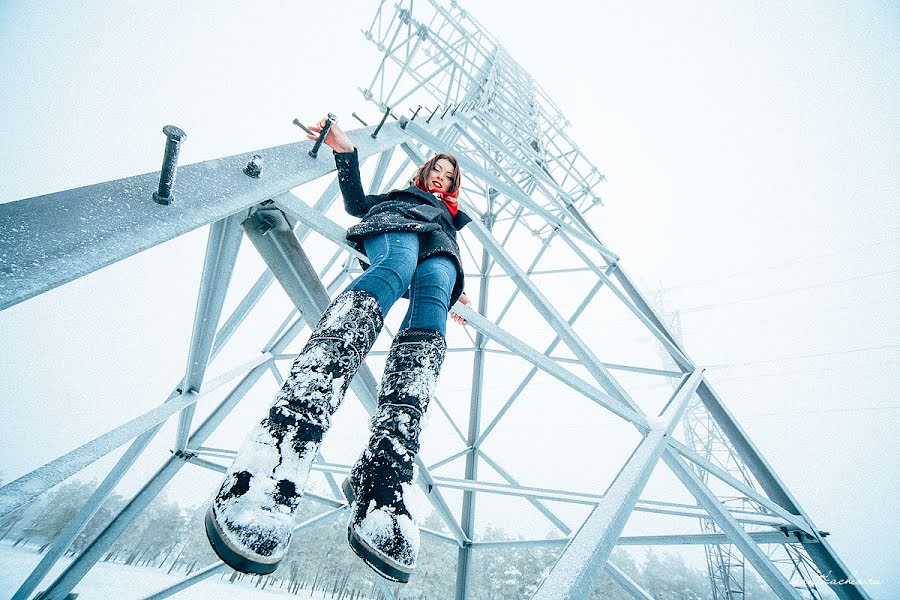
x: 729, y: 525
x: 49, y: 240
x: 575, y: 572
x: 19, y: 492
x: 549, y: 366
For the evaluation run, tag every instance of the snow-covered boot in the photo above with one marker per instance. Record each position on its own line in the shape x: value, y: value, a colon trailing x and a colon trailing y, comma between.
x: 250, y: 522
x: 383, y: 528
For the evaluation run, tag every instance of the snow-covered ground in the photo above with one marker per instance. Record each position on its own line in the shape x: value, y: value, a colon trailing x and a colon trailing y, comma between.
x: 112, y: 580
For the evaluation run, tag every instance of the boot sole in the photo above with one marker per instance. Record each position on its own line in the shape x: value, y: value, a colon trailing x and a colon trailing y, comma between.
x: 377, y: 561
x: 229, y: 554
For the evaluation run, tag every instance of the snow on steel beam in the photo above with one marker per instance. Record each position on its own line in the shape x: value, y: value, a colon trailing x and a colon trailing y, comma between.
x: 824, y: 556
x: 20, y: 491
x: 577, y: 569
x: 549, y: 366
x: 221, y: 253
x: 703, y: 539
x: 135, y: 507
x: 202, y: 574
x: 627, y: 583
x: 49, y: 240
x: 742, y: 487
x: 727, y: 523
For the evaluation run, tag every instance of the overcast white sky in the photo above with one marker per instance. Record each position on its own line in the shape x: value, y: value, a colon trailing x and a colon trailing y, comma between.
x: 751, y: 153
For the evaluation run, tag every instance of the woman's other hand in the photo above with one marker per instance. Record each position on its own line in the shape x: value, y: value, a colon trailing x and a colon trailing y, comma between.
x: 463, y: 299
x: 336, y: 139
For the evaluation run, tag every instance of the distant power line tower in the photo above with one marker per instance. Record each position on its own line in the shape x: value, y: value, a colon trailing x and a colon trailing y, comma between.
x: 552, y: 299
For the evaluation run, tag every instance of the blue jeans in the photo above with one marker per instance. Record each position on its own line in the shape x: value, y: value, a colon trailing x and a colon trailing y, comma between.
x: 393, y: 269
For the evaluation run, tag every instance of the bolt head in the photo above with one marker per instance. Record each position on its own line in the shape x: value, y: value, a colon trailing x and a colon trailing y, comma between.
x: 163, y: 199
x: 174, y: 133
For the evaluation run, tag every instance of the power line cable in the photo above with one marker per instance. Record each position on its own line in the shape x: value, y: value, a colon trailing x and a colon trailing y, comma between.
x: 780, y: 265
x: 785, y: 292
x: 825, y: 410
x: 802, y: 356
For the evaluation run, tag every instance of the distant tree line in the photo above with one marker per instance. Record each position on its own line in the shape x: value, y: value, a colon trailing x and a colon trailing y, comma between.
x: 170, y: 537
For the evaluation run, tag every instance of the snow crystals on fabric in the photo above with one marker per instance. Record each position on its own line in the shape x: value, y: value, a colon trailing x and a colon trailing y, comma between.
x: 379, y: 529
x: 255, y: 504
x: 416, y: 502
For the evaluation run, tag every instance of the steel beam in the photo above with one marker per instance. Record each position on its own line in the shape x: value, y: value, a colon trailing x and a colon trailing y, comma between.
x: 751, y: 551
x: 549, y: 366
x: 221, y: 253
x: 824, y: 556
x: 201, y: 575
x: 578, y: 347
x: 476, y: 170
x: 467, y: 520
x: 555, y: 520
x: 530, y: 375
x: 95, y: 550
x: 576, y: 571
x: 740, y: 486
x: 627, y: 583
x: 649, y: 320
x: 55, y: 248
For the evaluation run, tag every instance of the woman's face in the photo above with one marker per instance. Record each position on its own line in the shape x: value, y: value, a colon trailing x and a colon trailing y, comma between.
x: 441, y: 176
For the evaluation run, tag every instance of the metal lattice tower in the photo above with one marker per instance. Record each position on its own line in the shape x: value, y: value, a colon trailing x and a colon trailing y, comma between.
x: 545, y: 283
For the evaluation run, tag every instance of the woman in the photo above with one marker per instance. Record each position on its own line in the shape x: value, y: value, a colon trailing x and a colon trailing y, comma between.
x: 409, y: 237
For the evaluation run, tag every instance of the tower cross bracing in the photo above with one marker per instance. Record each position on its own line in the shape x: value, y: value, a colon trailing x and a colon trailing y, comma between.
x: 546, y: 285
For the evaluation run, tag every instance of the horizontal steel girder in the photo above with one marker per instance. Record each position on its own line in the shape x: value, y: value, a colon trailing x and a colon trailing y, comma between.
x: 49, y: 240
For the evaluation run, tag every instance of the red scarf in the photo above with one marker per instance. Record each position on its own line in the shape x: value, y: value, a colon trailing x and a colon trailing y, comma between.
x: 450, y: 200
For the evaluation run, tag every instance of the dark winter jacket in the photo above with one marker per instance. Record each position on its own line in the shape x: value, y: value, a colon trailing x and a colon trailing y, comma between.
x: 409, y: 209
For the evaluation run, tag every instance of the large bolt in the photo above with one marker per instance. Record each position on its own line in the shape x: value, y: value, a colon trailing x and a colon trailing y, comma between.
x: 315, y: 149
x: 174, y: 136
x: 302, y: 126
x: 380, y: 125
